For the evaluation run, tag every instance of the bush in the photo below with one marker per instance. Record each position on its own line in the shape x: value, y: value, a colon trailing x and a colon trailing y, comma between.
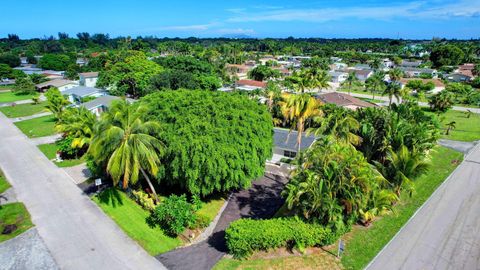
x: 245, y: 236
x: 144, y: 200
x: 201, y: 221
x: 173, y: 215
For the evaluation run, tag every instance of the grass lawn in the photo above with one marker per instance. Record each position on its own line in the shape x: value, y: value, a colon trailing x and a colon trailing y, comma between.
x: 23, y: 109
x: 358, y: 91
x: 50, y: 151
x: 4, y: 185
x: 38, y: 127
x: 14, y: 213
x: 131, y: 218
x: 467, y: 129
x: 372, y: 100
x: 362, y: 244
x: 211, y: 207
x: 11, y: 97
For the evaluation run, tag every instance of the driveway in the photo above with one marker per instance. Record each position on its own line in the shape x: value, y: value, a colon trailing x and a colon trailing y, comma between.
x: 262, y: 200
x: 445, y: 232
x: 75, y: 231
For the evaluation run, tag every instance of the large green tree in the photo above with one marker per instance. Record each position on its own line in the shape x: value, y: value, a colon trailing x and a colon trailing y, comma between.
x: 56, y: 61
x: 214, y: 141
x: 446, y: 55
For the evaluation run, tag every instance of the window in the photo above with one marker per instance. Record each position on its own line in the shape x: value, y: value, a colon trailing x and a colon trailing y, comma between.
x: 289, y: 154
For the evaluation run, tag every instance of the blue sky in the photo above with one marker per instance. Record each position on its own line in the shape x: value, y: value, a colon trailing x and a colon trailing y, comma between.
x: 330, y: 19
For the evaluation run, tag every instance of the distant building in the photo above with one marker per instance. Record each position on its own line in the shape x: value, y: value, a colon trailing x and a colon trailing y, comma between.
x: 439, y: 85
x: 416, y: 72
x: 88, y: 79
x: 410, y: 64
x: 101, y: 104
x: 249, y: 85
x: 285, y: 143
x: 338, y: 76
x: 61, y: 84
x: 344, y: 100
x: 76, y: 94
x: 466, y: 69
x: 457, y: 77
x: 362, y: 74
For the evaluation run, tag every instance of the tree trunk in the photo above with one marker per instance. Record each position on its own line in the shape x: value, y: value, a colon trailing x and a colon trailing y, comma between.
x: 150, y: 185
x: 299, y: 135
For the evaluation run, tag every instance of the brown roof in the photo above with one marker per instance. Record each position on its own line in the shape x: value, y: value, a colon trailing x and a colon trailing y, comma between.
x: 436, y: 82
x: 466, y: 72
x: 89, y: 74
x: 343, y: 100
x: 54, y: 83
x: 467, y: 67
x: 252, y: 83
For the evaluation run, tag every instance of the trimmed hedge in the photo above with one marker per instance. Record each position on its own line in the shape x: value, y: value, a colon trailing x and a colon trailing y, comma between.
x: 245, y: 236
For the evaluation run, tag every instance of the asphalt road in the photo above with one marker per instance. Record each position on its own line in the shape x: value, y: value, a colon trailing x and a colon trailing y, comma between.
x: 75, y: 231
x: 445, y: 231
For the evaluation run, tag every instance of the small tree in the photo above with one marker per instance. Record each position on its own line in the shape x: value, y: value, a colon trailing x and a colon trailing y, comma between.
x: 441, y: 102
x: 450, y: 126
x: 24, y: 86
x: 55, y: 101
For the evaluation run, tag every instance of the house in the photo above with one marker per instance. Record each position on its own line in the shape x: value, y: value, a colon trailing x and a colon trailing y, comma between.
x: 457, y: 77
x: 466, y: 69
x: 88, y: 79
x: 285, y: 143
x: 362, y: 74
x: 101, y: 104
x: 76, y: 94
x: 81, y: 61
x: 416, y: 72
x: 344, y: 100
x: 240, y: 71
x: 249, y: 85
x: 439, y: 85
x: 387, y: 63
x: 23, y: 61
x: 410, y: 64
x: 61, y: 84
x: 362, y: 66
x: 338, y: 76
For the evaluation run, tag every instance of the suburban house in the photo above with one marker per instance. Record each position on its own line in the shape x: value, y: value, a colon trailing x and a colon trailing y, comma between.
x: 387, y: 63
x: 101, y: 104
x: 457, y: 77
x: 285, y: 144
x: 81, y: 61
x: 416, y: 72
x: 240, y: 71
x: 410, y: 64
x: 362, y: 74
x: 466, y: 69
x: 344, y: 100
x: 88, y: 79
x: 439, y: 85
x: 61, y: 84
x: 362, y: 66
x: 338, y: 76
x: 249, y: 85
x: 76, y: 94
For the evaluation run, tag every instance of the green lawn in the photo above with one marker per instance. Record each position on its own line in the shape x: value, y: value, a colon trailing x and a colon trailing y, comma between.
x: 211, y: 207
x: 467, y: 129
x: 11, y: 97
x: 358, y: 91
x: 4, y: 185
x: 363, y: 244
x: 50, y: 151
x: 372, y: 100
x: 14, y: 213
x: 131, y: 218
x: 38, y: 127
x: 23, y: 109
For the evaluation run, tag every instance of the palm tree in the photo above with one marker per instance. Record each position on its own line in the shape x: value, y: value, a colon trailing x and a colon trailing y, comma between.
x: 317, y: 78
x: 375, y: 83
x: 450, y: 126
x: 77, y: 123
x: 395, y: 74
x: 375, y: 64
x: 393, y: 89
x: 127, y: 144
x: 350, y: 81
x: 341, y: 125
x: 468, y: 113
x: 298, y: 108
x: 272, y: 93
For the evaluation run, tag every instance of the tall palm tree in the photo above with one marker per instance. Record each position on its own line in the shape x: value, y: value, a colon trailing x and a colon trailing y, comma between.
x: 298, y: 108
x: 393, y: 89
x: 395, y: 74
x: 450, y: 126
x: 317, y: 78
x: 127, y: 144
x: 375, y: 83
x: 77, y: 123
x: 351, y: 81
x: 375, y: 64
x: 341, y: 125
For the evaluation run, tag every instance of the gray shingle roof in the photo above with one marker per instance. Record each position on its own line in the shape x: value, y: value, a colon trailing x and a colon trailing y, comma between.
x: 286, y: 139
x: 82, y: 91
x: 100, y: 101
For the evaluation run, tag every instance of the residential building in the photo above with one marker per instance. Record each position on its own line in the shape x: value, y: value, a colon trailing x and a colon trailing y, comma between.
x: 362, y: 74
x: 285, y: 144
x: 466, y: 69
x: 457, y: 77
x: 249, y: 85
x: 416, y: 72
x: 101, y: 104
x: 61, y: 84
x: 76, y: 94
x: 338, y: 76
x: 410, y: 64
x: 344, y: 100
x: 88, y: 79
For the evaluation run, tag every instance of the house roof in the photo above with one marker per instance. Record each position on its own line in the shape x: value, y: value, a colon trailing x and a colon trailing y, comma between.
x: 100, y: 101
x: 342, y: 99
x: 362, y: 72
x: 89, y: 74
x: 287, y: 139
x: 411, y: 63
x: 55, y: 83
x: 421, y: 70
x: 82, y: 91
x: 252, y: 83
x: 467, y: 66
x: 436, y: 82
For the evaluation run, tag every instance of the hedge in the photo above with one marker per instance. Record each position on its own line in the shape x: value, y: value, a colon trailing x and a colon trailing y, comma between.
x: 245, y: 236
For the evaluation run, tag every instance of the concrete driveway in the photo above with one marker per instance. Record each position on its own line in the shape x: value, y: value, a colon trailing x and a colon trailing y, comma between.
x: 76, y: 232
x: 445, y: 232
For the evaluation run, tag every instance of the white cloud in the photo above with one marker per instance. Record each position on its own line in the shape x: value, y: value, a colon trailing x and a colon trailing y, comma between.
x: 235, y: 31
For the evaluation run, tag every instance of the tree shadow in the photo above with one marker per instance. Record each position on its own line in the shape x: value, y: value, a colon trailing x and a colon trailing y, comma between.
x: 110, y: 196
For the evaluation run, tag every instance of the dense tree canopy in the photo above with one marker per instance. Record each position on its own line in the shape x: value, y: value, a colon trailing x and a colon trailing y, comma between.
x: 214, y: 141
x: 446, y: 55
x: 56, y: 61
x: 10, y: 59
x: 261, y: 72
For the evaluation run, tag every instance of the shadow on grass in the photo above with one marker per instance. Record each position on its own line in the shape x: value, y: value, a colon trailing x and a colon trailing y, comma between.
x: 110, y: 196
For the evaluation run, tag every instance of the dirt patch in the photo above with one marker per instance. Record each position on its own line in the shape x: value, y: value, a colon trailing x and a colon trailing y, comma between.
x: 10, y: 228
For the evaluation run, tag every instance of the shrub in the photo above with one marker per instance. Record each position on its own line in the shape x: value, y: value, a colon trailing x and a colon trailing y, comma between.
x: 245, y: 236
x: 144, y: 200
x: 201, y: 221
x: 173, y: 215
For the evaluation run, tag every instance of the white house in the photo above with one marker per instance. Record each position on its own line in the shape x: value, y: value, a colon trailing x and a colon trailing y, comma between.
x: 338, y: 76
x: 76, y: 94
x: 88, y: 79
x: 61, y: 84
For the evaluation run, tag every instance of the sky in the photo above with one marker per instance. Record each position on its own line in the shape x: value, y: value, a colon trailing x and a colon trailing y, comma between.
x: 278, y: 19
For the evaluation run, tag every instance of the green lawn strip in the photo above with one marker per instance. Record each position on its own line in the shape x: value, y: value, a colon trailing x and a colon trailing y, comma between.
x: 12, y: 97
x: 4, y: 185
x: 38, y: 127
x: 50, y: 151
x: 467, y: 129
x: 131, y: 218
x: 14, y: 213
x: 358, y: 91
x: 211, y: 207
x: 23, y: 109
x: 363, y: 244
x: 372, y: 100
